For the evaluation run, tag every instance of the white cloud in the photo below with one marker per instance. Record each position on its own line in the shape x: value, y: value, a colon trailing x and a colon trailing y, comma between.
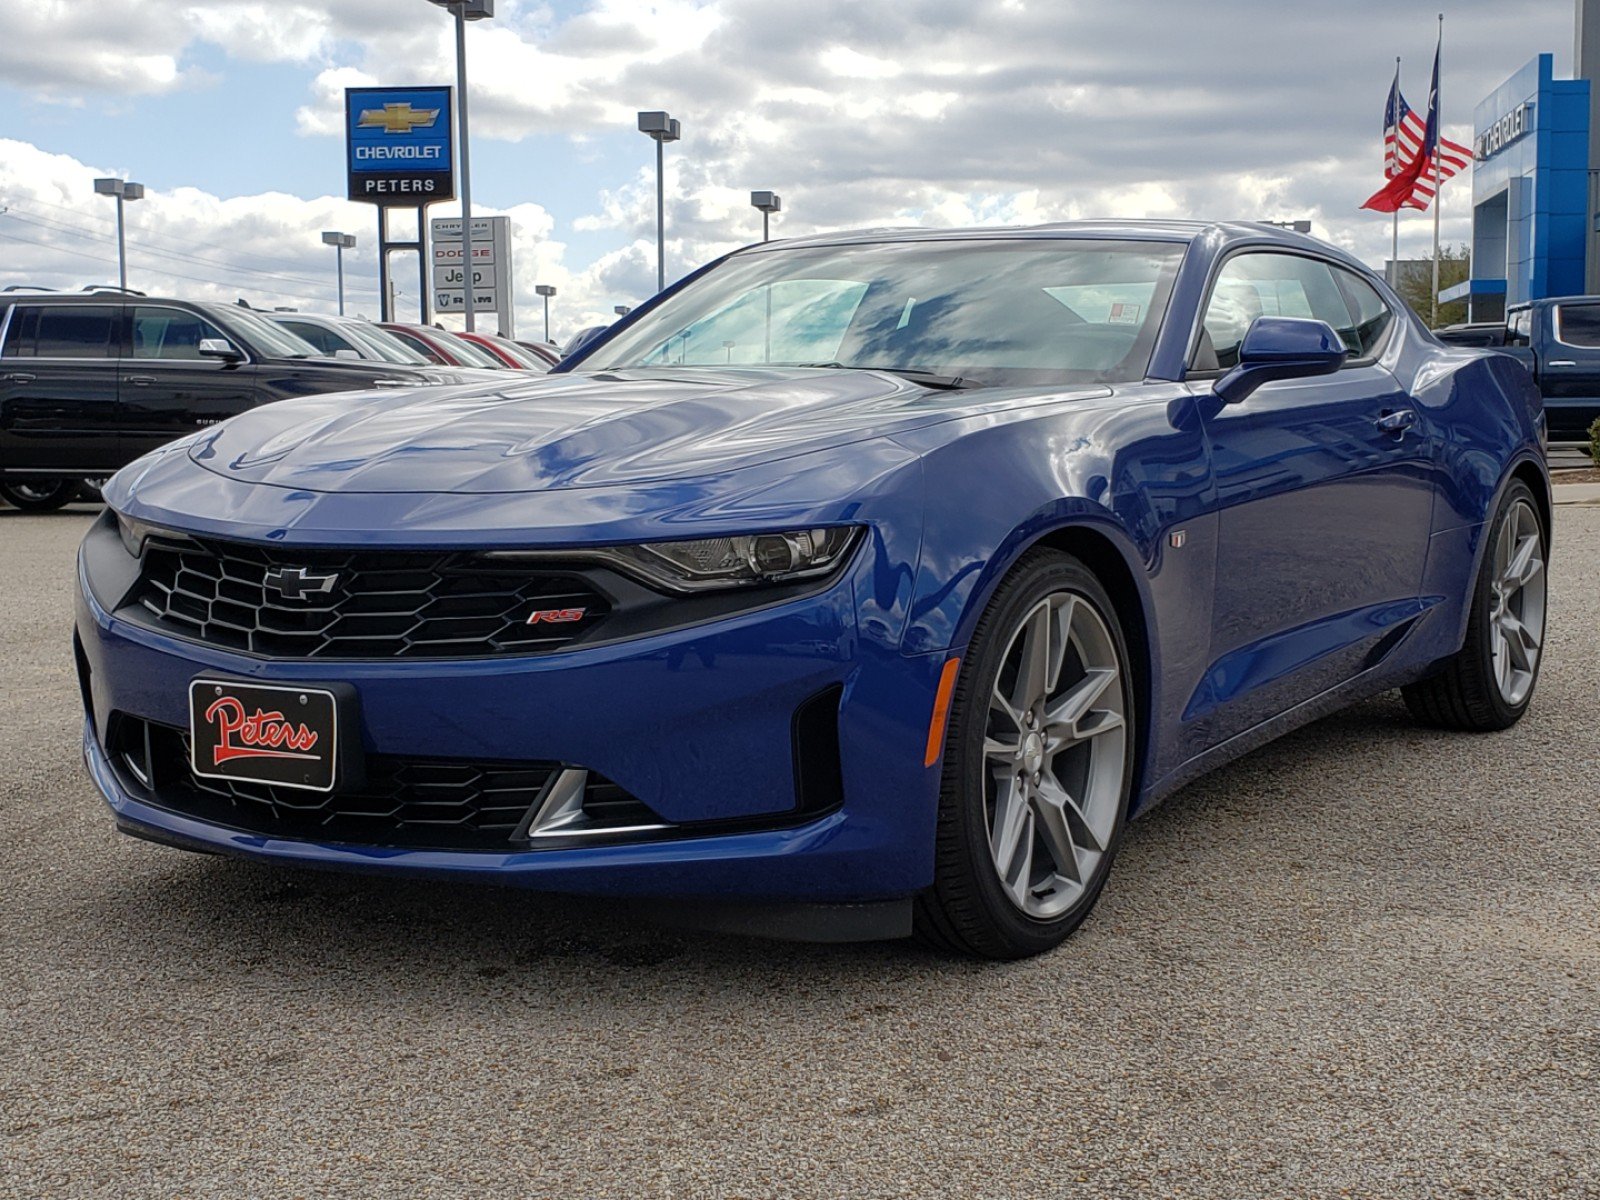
x: 266, y: 248
x: 937, y: 111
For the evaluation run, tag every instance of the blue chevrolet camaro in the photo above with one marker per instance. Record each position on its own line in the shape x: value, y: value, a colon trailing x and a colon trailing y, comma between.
x: 855, y: 586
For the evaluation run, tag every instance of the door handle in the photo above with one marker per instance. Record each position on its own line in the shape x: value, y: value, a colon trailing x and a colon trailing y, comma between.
x: 141, y: 380
x: 18, y: 377
x: 1398, y: 421
x: 1561, y: 362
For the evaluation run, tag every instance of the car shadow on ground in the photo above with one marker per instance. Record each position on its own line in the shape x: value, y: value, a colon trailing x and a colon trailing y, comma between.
x: 314, y: 929
x: 78, y: 508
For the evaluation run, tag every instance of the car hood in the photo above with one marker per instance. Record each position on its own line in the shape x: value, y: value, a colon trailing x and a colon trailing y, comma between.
x: 571, y: 430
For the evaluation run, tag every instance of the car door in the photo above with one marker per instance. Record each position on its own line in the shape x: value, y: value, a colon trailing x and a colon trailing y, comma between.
x: 1569, y: 369
x: 168, y: 390
x: 1324, y: 495
x: 58, y: 389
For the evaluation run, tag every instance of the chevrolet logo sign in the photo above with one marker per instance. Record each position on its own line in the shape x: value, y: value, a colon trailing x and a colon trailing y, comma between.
x: 397, y: 118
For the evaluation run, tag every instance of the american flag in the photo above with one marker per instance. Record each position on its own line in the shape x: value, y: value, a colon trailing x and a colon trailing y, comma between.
x: 1416, y: 159
x: 1404, y: 133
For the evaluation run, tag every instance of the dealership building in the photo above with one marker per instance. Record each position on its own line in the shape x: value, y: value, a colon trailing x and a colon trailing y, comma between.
x: 1535, y: 200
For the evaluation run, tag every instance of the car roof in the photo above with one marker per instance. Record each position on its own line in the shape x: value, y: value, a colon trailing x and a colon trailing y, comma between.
x: 1223, y: 234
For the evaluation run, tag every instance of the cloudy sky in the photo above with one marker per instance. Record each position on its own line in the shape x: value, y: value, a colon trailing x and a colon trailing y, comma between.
x: 858, y: 112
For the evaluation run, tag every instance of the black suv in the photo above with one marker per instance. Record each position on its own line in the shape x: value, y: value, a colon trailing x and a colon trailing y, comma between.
x: 90, y: 381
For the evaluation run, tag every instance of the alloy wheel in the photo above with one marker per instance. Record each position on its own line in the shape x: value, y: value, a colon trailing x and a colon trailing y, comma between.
x: 1517, y: 602
x: 1054, y: 754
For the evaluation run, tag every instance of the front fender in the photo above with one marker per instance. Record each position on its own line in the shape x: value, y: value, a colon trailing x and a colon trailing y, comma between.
x: 1129, y: 471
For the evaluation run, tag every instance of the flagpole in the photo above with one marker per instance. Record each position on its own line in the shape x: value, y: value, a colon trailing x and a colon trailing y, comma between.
x: 1394, y: 229
x: 1438, y: 175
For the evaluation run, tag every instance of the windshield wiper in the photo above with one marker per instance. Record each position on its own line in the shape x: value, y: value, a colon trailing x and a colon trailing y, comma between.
x: 929, y: 379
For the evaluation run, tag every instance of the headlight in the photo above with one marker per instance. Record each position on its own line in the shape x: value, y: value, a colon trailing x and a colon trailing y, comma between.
x: 706, y: 564
x: 741, y: 560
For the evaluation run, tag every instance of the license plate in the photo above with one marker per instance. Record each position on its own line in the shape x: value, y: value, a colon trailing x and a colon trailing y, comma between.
x: 264, y: 733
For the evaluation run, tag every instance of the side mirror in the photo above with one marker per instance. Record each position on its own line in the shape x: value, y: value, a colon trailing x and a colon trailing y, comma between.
x: 219, y: 348
x: 348, y: 355
x: 1281, y: 348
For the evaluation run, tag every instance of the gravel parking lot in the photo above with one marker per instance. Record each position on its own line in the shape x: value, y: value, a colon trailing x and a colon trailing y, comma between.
x: 1364, y: 961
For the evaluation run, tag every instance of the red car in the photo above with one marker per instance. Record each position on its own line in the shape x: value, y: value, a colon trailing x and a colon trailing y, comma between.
x: 443, y: 348
x: 512, y: 354
x: 545, y: 350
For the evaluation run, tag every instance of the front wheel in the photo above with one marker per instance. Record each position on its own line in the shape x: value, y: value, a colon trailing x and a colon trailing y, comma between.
x: 1489, y: 682
x: 1038, y: 766
x: 46, y: 495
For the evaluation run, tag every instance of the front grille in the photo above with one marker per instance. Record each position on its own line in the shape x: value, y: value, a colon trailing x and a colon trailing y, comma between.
x: 405, y: 802
x: 381, y: 603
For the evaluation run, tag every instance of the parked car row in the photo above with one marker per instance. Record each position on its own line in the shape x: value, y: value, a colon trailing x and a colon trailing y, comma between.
x: 91, y: 380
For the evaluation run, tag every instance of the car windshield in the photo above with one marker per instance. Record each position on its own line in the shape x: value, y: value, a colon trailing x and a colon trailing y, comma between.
x: 380, y: 344
x: 470, y: 355
x: 265, y: 337
x: 526, y: 359
x: 1002, y: 312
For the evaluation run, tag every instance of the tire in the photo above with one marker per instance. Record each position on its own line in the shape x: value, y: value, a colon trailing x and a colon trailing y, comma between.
x: 1018, y: 779
x: 1488, y: 684
x: 89, y: 490
x: 47, y: 495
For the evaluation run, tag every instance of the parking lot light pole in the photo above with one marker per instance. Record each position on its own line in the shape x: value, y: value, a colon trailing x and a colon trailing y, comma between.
x: 123, y: 191
x: 340, y: 243
x: 545, y: 290
x: 464, y: 11
x: 621, y: 310
x: 768, y: 203
x: 661, y: 128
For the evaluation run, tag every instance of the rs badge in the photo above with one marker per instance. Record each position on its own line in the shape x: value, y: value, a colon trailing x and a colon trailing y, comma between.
x: 557, y: 616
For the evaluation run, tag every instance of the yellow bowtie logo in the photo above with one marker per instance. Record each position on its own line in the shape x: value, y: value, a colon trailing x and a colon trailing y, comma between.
x: 397, y: 118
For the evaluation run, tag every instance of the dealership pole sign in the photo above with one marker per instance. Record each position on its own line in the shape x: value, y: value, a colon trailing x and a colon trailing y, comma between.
x: 478, y: 266
x: 400, y: 147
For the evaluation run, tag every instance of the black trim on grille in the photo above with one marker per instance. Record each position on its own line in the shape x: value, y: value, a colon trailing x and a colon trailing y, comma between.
x: 632, y: 610
x: 405, y: 802
x: 818, y: 773
x: 379, y: 604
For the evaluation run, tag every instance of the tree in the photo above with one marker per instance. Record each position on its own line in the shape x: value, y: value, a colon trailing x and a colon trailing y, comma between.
x: 1415, y: 283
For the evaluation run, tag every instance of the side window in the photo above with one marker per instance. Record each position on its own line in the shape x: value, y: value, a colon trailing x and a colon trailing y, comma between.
x: 169, y: 333
x: 74, y: 331
x: 23, y: 333
x: 1370, y: 318
x: 1264, y: 285
x: 326, y: 340
x: 1579, y: 324
x: 420, y: 346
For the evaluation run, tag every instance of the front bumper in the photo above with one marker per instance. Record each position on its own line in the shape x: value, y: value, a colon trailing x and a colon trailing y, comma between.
x: 697, y: 723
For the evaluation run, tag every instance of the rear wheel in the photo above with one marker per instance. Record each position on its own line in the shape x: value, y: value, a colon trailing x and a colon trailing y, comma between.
x: 1038, y: 766
x: 44, y: 495
x: 1489, y: 682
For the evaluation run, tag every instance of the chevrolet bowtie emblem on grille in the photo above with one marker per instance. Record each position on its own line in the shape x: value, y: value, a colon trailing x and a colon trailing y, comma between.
x: 397, y: 118
x: 296, y: 583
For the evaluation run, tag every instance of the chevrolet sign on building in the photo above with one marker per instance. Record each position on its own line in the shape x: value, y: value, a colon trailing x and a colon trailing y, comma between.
x: 400, y: 146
